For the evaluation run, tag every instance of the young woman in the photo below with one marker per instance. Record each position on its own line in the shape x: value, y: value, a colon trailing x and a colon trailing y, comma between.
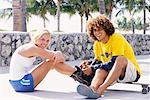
x: 24, y: 76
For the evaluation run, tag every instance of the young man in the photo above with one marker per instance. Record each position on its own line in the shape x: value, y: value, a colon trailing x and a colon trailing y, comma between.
x: 115, y: 57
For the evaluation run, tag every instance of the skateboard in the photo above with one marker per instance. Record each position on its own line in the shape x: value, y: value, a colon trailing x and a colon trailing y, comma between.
x: 145, y: 86
x: 89, y: 93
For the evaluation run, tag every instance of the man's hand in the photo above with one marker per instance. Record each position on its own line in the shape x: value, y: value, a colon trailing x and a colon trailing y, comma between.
x: 87, y: 71
x: 85, y: 64
x: 86, y: 67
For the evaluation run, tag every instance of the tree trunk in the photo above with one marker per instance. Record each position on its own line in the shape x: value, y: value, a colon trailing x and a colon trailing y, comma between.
x: 44, y: 22
x: 19, y: 15
x: 24, y: 13
x: 81, y: 23
x: 144, y: 14
x: 58, y: 15
x: 110, y: 8
x: 101, y: 6
x: 132, y: 23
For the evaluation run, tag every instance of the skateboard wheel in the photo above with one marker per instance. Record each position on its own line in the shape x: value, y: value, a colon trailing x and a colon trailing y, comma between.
x: 144, y: 91
x: 148, y: 89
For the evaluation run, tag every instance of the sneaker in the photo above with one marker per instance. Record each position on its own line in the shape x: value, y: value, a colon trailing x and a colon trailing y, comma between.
x: 87, y: 91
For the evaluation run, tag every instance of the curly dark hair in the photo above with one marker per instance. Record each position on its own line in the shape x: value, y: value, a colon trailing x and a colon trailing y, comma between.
x: 100, y: 22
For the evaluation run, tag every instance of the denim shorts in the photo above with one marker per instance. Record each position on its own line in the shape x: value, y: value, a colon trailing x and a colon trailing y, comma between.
x: 26, y: 84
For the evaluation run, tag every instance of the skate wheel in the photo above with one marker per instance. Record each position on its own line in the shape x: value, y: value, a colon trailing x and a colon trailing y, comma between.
x: 144, y: 91
x: 148, y: 89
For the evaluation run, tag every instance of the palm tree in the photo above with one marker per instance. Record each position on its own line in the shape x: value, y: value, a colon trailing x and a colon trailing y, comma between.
x: 58, y: 14
x: 19, y: 15
x: 133, y: 6
x: 82, y: 7
x: 102, y: 8
x: 41, y: 8
x: 145, y: 6
x: 33, y: 7
x: 109, y: 5
x: 7, y: 12
x: 106, y: 7
x: 130, y: 6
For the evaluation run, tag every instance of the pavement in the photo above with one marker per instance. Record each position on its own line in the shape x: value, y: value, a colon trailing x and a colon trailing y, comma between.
x: 56, y: 86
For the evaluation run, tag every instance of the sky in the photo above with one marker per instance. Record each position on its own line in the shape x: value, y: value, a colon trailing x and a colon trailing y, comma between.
x: 67, y: 23
x: 4, y: 4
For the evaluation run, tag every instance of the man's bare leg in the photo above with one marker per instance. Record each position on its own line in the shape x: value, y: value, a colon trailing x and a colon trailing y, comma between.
x: 117, y: 71
x: 98, y: 79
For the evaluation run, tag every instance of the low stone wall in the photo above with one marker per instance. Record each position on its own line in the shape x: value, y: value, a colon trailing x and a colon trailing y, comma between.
x: 73, y: 45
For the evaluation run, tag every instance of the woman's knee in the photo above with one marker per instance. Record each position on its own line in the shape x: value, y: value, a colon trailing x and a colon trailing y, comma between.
x: 59, y: 57
x: 49, y: 64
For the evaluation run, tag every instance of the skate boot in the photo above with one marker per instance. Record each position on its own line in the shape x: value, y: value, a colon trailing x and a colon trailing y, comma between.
x: 78, y: 75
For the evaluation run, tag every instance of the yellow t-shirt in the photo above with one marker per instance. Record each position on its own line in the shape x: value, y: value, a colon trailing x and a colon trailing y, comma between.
x: 117, y: 45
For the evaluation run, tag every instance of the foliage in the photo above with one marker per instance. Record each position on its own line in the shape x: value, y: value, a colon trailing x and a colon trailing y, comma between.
x: 6, y: 13
x: 125, y: 24
x: 41, y: 8
x: 82, y: 7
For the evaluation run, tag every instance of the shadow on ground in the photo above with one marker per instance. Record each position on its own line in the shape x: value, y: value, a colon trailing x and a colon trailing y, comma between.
x: 46, y: 94
x: 111, y: 93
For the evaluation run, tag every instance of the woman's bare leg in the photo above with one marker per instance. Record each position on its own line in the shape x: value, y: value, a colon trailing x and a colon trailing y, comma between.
x: 75, y: 73
x: 64, y: 68
x: 40, y: 72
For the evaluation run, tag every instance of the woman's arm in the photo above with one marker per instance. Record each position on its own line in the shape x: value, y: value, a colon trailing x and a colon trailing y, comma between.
x: 44, y: 53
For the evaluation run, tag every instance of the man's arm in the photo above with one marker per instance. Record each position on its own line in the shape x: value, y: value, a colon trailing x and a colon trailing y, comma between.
x: 107, y: 66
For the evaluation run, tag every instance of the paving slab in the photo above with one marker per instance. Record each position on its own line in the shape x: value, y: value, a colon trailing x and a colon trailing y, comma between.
x: 56, y: 86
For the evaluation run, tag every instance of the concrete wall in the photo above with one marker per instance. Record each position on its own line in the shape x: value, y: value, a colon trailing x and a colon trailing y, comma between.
x: 73, y: 45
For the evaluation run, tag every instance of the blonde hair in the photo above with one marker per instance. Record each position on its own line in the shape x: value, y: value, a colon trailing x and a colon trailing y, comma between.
x: 37, y: 34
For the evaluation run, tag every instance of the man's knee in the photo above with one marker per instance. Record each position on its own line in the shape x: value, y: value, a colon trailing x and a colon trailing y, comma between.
x: 98, y: 71
x: 101, y: 73
x: 121, y: 61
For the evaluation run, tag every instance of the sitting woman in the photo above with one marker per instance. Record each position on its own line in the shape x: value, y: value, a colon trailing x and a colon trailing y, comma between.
x: 24, y: 76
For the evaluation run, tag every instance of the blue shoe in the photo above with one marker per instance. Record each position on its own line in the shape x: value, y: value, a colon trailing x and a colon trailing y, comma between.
x: 87, y: 91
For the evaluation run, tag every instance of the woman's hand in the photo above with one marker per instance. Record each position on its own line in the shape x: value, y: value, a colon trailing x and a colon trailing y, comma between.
x: 52, y: 56
x: 59, y: 58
